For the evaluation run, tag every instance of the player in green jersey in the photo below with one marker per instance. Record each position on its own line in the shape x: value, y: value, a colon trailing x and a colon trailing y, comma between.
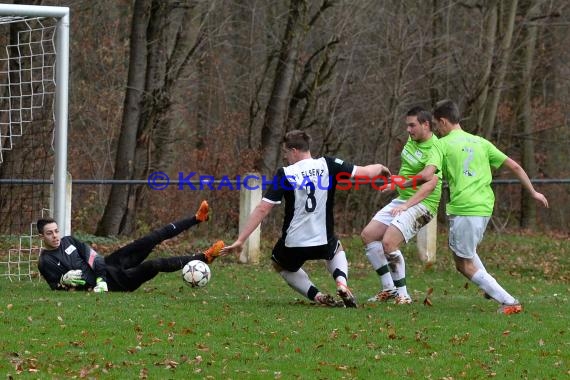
x: 385, y: 232
x: 466, y: 161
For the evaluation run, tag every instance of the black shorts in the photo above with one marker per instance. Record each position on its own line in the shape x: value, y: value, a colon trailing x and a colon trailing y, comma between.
x: 293, y: 258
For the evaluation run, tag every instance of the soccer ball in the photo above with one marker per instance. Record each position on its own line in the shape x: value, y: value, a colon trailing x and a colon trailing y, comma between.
x: 196, y: 273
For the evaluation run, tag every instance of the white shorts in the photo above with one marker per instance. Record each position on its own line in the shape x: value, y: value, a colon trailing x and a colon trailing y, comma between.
x: 409, y: 222
x: 465, y: 234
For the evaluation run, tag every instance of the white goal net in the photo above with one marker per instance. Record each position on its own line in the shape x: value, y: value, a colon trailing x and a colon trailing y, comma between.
x: 27, y: 69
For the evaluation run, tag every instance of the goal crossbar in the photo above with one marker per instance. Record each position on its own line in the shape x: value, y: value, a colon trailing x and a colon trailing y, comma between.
x: 16, y: 10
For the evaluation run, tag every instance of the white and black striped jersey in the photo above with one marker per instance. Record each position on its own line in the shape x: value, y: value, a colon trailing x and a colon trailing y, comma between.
x: 308, y: 187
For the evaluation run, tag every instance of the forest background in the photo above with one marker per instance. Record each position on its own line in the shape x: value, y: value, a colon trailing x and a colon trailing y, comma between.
x: 210, y: 87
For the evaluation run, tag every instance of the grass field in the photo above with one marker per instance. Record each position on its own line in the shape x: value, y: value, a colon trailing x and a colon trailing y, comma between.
x: 247, y: 324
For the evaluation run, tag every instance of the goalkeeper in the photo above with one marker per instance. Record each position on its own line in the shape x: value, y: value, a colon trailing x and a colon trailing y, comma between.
x: 67, y: 263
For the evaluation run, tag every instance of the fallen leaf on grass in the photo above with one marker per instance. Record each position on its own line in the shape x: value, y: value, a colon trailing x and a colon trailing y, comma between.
x: 167, y: 363
x: 334, y: 334
x: 133, y: 350
x: 427, y: 301
x: 392, y: 332
x: 86, y: 371
x: 202, y: 347
x: 197, y: 360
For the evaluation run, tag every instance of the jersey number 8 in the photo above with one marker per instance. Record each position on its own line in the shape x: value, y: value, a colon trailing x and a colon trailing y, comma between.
x: 311, y: 202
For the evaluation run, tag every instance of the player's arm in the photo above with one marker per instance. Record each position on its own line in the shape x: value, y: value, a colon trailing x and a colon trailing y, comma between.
x: 96, y: 263
x: 519, y: 172
x: 371, y: 171
x: 426, y: 175
x: 94, y: 260
x: 433, y: 164
x: 51, y: 273
x: 272, y: 196
x: 57, y: 277
x: 253, y: 221
x: 422, y: 193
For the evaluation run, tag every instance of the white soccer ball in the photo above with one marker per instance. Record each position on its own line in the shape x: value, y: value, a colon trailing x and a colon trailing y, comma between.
x: 196, y: 273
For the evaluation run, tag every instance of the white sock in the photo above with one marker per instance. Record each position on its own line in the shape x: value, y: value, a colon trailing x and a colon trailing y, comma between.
x: 398, y: 270
x: 489, y: 285
x: 338, y: 267
x: 297, y: 280
x: 376, y: 257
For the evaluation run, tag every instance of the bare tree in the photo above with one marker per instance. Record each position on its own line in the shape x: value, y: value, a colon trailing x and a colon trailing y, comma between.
x: 277, y: 108
x: 488, y: 44
x: 500, y: 70
x: 524, y: 110
x: 161, y: 47
x: 344, y: 70
x: 114, y: 216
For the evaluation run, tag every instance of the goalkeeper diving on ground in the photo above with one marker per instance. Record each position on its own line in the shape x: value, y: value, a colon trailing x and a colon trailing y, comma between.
x: 67, y: 263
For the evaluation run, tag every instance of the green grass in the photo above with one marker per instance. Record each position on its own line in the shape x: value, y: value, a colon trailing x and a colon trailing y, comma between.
x: 248, y: 324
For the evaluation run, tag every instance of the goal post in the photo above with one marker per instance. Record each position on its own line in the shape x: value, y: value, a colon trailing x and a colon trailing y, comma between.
x: 16, y: 12
x: 34, y: 82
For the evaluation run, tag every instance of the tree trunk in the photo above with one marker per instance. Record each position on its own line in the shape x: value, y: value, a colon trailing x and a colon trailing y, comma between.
x: 501, y: 69
x: 488, y: 50
x: 163, y: 41
x: 524, y: 117
x: 170, y: 46
x: 277, y: 109
x: 156, y: 102
x: 112, y: 220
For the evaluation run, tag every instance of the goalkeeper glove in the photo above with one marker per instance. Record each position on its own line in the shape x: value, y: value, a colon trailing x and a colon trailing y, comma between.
x: 101, y: 286
x: 72, y: 278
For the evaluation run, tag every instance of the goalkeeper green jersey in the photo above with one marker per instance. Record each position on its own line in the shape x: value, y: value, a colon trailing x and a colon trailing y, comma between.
x: 465, y: 160
x: 413, y: 157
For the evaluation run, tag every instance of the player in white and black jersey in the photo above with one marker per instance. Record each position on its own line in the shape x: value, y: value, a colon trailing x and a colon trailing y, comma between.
x: 308, y: 186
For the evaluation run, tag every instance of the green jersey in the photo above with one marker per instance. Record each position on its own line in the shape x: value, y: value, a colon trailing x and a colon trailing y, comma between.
x: 465, y: 160
x: 413, y: 157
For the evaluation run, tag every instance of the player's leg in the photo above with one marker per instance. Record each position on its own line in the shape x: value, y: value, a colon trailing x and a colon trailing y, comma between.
x: 402, y: 229
x: 288, y: 262
x: 372, y: 236
x: 147, y: 270
x: 391, y: 243
x: 338, y: 268
x: 136, y: 252
x: 465, y: 233
x: 299, y: 281
x: 478, y: 263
